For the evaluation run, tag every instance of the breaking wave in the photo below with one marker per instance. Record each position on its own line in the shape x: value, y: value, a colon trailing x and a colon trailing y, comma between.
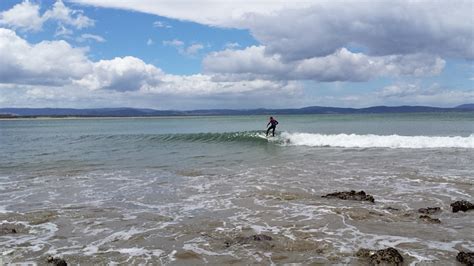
x: 376, y: 141
x: 300, y: 139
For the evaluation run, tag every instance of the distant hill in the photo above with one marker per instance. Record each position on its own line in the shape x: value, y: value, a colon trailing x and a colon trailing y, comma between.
x: 131, y: 112
x: 466, y: 106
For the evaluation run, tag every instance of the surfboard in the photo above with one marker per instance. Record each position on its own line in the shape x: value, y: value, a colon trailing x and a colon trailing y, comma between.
x: 263, y: 136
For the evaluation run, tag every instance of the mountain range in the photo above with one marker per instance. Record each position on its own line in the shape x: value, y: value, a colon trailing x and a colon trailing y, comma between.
x: 138, y: 112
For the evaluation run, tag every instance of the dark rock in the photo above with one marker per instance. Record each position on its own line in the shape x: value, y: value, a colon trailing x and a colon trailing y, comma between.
x: 8, y: 228
x: 466, y: 258
x: 428, y: 219
x: 392, y: 208
x: 430, y: 210
x: 56, y: 261
x: 351, y: 195
x: 249, y: 239
x: 388, y: 256
x: 462, y: 205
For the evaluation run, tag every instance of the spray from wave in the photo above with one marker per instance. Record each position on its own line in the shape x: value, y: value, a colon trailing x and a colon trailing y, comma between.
x: 376, y: 141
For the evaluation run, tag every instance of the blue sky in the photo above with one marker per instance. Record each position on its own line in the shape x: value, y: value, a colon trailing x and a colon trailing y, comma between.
x: 215, y: 54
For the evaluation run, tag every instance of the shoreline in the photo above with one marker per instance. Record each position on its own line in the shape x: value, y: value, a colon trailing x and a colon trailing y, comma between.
x: 39, y: 117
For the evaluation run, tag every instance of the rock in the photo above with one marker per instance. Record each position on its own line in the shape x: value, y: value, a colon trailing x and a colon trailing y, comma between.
x: 248, y: 239
x: 56, y: 261
x: 430, y: 210
x: 351, y: 195
x: 466, y: 258
x: 388, y: 256
x: 10, y: 228
x: 462, y: 205
x: 428, y: 219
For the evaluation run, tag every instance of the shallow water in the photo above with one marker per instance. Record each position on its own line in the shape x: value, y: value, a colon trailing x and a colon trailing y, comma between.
x: 176, y: 190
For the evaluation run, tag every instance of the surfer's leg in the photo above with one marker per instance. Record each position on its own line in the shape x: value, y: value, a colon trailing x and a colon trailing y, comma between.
x: 268, y: 130
x: 273, y: 132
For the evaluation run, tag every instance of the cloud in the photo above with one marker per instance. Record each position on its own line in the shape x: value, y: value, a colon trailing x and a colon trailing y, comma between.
x: 307, y: 29
x: 231, y: 45
x: 26, y: 16
x: 174, y: 43
x: 67, y: 16
x: 47, y: 62
x: 193, y: 49
x: 161, y: 24
x: 121, y: 74
x: 149, y: 42
x: 430, y: 95
x: 211, y: 12
x: 342, y: 65
x: 190, y: 50
x: 58, y: 63
x: 381, y: 28
x: 86, y: 36
x: 23, y: 16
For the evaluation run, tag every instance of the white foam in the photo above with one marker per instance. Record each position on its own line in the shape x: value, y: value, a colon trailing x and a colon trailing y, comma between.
x: 376, y: 141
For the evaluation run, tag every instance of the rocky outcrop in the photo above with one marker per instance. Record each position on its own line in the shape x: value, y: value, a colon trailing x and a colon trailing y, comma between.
x: 351, y: 195
x: 466, y: 258
x: 11, y: 228
x: 462, y: 205
x: 388, y: 256
x: 428, y: 219
x: 430, y: 210
x: 56, y: 261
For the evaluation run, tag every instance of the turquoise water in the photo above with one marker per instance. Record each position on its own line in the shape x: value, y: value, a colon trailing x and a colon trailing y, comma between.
x: 120, y: 189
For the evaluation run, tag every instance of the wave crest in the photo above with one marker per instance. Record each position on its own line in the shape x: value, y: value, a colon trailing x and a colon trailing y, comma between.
x: 376, y: 141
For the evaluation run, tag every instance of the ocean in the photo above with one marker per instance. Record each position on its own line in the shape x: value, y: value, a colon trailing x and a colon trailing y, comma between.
x: 196, y: 190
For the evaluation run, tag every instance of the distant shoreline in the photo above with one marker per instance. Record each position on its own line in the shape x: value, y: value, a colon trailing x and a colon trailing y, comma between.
x: 79, y: 117
x: 15, y: 113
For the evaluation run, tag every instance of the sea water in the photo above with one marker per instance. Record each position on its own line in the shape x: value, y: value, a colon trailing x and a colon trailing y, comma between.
x: 178, y: 190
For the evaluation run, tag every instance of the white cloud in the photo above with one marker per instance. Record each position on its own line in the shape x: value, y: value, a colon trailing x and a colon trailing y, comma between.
x: 63, y: 31
x: 86, y: 36
x: 174, y: 43
x: 434, y: 95
x: 209, y: 12
x: 57, y: 63
x: 161, y: 24
x: 149, y: 42
x: 343, y: 65
x: 193, y: 49
x: 307, y: 29
x: 26, y: 16
x: 48, y: 62
x: 23, y: 16
x: 65, y: 15
x: 190, y: 50
x: 121, y: 74
x: 231, y: 45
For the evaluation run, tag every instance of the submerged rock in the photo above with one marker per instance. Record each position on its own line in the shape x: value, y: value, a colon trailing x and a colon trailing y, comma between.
x: 428, y: 219
x: 430, y: 210
x: 462, y: 205
x: 351, y: 195
x: 466, y: 258
x: 56, y: 261
x: 249, y: 239
x: 10, y: 228
x: 388, y: 256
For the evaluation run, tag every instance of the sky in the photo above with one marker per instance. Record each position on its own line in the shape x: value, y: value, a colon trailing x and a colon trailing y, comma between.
x: 190, y: 54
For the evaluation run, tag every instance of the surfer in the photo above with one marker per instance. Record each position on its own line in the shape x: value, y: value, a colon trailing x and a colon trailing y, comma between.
x: 273, y: 123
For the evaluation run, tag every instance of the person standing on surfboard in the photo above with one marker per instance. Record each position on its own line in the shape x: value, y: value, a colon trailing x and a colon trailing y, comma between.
x: 273, y: 123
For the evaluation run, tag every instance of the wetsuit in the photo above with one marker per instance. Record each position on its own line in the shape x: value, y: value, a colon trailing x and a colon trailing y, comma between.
x: 273, y: 123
